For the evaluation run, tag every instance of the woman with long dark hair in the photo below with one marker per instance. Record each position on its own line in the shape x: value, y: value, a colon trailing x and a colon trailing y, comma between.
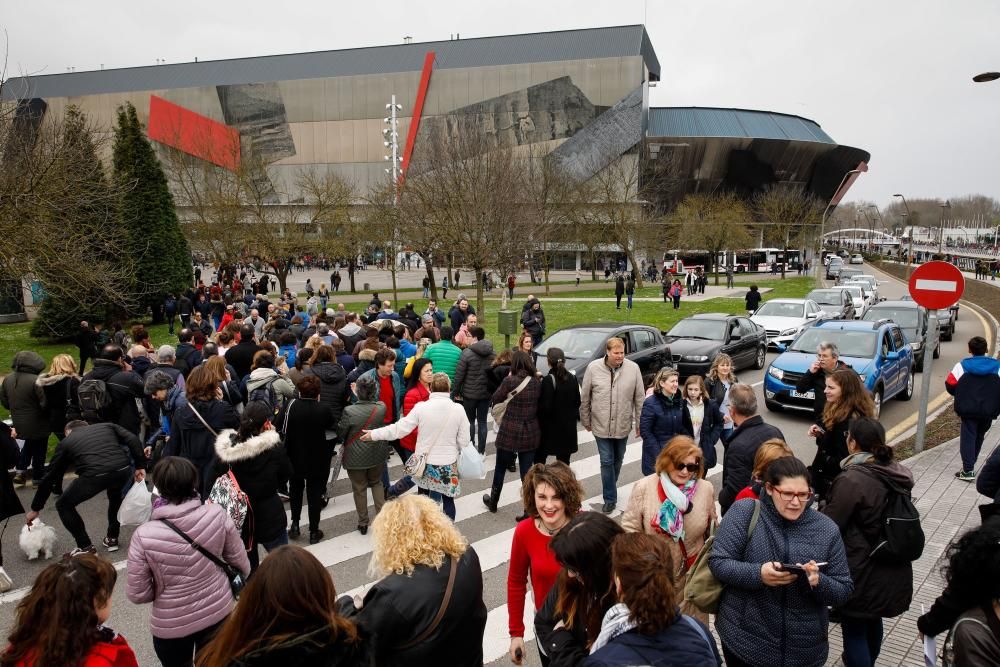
x: 287, y: 616
x: 60, y: 622
x: 856, y: 502
x: 570, y: 619
x: 558, y: 410
x: 257, y: 459
x: 846, y: 399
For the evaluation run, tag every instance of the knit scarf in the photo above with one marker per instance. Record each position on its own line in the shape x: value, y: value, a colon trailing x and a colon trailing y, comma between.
x: 670, y: 518
x: 616, y: 622
x: 856, y: 459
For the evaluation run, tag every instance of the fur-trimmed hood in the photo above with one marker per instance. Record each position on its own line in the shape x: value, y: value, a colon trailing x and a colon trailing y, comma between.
x: 366, y: 354
x: 230, y: 450
x: 46, y: 379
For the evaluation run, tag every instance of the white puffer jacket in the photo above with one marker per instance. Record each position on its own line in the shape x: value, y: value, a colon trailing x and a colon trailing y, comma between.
x: 443, y: 429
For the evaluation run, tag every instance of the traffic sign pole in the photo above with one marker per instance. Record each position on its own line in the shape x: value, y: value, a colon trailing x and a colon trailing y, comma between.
x: 925, y: 392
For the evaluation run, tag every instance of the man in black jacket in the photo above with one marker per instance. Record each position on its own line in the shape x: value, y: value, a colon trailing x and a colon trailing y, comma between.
x: 471, y: 385
x: 103, y: 456
x: 124, y: 386
x: 750, y: 433
x: 826, y: 362
x: 240, y: 356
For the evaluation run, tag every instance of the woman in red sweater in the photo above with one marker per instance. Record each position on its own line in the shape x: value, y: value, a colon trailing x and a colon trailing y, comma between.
x: 769, y: 450
x: 419, y: 391
x: 552, y: 496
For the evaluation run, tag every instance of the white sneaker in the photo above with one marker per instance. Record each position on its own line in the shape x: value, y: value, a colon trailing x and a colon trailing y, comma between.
x: 6, y: 583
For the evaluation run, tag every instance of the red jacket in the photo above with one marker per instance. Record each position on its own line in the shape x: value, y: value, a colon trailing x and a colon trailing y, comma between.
x: 416, y: 395
x: 115, y: 653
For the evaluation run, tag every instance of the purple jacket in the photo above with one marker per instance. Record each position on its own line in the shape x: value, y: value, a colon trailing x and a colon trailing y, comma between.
x: 189, y: 592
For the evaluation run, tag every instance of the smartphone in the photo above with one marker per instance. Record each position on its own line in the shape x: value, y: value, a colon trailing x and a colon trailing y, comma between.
x: 792, y: 567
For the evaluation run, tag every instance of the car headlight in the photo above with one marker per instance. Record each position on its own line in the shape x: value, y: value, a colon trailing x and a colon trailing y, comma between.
x: 776, y: 373
x: 789, y: 332
x: 694, y: 357
x: 916, y: 345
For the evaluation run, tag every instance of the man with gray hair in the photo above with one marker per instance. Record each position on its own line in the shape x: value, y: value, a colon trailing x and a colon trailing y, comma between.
x: 428, y: 329
x: 750, y: 433
x: 826, y: 362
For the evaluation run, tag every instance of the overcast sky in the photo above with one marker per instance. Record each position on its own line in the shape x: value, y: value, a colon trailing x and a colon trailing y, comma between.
x: 893, y: 77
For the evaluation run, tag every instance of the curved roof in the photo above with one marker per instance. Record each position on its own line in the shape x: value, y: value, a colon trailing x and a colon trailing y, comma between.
x: 746, y: 123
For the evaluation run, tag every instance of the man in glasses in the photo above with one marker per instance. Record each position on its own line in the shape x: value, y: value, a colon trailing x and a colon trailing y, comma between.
x: 750, y: 433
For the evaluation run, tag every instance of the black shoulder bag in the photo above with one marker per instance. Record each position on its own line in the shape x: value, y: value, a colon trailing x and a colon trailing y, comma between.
x: 235, y: 577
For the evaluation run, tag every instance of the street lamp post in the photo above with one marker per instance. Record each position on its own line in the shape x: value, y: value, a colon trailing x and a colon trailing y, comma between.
x: 822, y: 222
x: 909, y: 254
x: 945, y: 205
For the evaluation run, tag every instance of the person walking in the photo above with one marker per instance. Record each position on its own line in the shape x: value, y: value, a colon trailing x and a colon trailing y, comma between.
x: 511, y: 283
x: 162, y: 569
x: 755, y: 621
x: 364, y: 460
x: 103, y: 456
x: 558, y: 410
x: 419, y: 551
x: 665, y: 286
x: 706, y: 421
x: 170, y: 312
x: 856, y: 502
x: 611, y: 401
x: 675, y: 293
x: 619, y: 290
x: 518, y: 434
x: 533, y: 320
x: 86, y: 343
x: 471, y: 385
x: 305, y: 422
x: 752, y: 299
x: 444, y: 354
x: 25, y: 399
x: 443, y: 430
x: 750, y: 433
x: 288, y: 616
x: 552, y: 496
x: 677, y: 502
x: 846, y: 400
x: 730, y: 278
x: 975, y: 384
x: 691, y: 280
x: 664, y: 415
x: 629, y: 290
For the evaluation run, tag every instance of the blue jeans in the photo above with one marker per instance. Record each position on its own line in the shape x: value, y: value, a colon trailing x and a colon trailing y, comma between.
x: 971, y: 440
x: 475, y: 410
x: 612, y: 453
x: 447, y: 502
x: 268, y: 546
x: 629, y: 301
x: 862, y: 641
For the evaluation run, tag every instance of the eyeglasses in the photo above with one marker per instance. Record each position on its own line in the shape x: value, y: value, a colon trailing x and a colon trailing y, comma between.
x: 690, y: 467
x: 801, y: 496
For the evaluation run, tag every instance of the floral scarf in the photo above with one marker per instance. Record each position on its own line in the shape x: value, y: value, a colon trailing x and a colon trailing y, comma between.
x: 670, y: 518
x: 616, y: 622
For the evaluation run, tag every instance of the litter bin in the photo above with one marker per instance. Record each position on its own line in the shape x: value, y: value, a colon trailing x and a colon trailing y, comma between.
x: 366, y: 287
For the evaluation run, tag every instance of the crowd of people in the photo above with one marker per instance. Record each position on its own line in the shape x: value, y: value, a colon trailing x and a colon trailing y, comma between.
x: 264, y: 405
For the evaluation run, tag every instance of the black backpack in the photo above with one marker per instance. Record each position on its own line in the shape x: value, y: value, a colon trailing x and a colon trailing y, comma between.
x: 94, y: 397
x: 266, y: 394
x: 901, y: 538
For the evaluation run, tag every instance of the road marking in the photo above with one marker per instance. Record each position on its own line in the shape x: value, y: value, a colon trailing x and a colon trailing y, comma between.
x: 937, y: 285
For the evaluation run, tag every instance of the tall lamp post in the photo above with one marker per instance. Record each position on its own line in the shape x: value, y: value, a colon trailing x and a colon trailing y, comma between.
x: 881, y: 221
x: 909, y: 254
x: 945, y: 205
x: 822, y: 222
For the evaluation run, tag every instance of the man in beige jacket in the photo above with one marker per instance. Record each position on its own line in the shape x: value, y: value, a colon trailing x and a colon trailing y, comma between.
x: 610, y: 404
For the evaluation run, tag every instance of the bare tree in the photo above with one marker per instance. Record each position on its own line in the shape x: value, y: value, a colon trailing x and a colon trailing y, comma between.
x: 714, y: 223
x: 551, y: 197
x: 787, y: 214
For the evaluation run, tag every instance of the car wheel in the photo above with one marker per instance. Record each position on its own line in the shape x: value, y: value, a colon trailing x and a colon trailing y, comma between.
x: 918, y: 364
x: 773, y: 406
x: 761, y: 357
x: 877, y: 399
x: 907, y: 393
x: 937, y: 351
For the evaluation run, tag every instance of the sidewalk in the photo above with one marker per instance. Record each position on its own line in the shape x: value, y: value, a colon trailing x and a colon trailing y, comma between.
x: 947, y: 508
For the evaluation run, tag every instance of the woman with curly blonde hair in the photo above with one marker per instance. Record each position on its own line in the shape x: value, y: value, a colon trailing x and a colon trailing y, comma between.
x: 430, y: 602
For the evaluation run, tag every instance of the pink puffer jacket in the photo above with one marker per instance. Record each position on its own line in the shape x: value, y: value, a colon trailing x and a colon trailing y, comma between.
x: 188, y: 591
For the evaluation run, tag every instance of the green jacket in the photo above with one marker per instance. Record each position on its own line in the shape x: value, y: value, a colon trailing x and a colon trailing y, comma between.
x: 25, y: 399
x: 360, y: 455
x: 444, y: 357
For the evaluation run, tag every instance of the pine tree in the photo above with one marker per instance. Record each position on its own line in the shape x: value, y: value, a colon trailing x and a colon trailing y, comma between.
x: 147, y: 213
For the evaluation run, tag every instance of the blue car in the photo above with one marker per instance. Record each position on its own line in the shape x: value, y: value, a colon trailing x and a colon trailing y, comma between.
x: 876, y: 350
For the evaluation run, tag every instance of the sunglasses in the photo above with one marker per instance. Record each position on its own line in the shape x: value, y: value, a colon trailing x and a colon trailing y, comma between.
x: 690, y: 467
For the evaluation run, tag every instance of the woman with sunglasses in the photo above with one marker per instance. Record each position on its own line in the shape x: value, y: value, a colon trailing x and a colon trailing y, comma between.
x: 856, y: 503
x: 781, y: 564
x: 676, y: 503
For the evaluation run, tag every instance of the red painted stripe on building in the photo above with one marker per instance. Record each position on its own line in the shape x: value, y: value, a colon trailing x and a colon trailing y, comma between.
x: 418, y: 108
x: 194, y: 134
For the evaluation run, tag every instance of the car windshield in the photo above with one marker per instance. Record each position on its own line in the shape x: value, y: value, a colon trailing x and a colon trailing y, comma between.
x: 855, y: 291
x: 695, y: 328
x: 774, y: 309
x: 904, y: 317
x: 850, y: 343
x: 826, y: 297
x: 575, y: 343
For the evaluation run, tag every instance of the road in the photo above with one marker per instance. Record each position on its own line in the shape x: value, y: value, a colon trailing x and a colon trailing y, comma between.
x: 346, y: 553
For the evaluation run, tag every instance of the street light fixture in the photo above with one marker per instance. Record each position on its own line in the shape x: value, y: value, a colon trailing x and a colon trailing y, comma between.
x: 945, y: 205
x: 822, y: 222
x: 909, y: 254
x: 986, y: 76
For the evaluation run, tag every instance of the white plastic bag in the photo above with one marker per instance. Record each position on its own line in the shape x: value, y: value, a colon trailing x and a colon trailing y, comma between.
x: 137, y: 506
x: 471, y: 464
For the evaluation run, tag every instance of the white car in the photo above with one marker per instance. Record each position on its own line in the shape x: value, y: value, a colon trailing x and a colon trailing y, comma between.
x: 866, y: 289
x: 783, y: 319
x: 857, y: 259
x: 870, y: 279
x: 856, y: 290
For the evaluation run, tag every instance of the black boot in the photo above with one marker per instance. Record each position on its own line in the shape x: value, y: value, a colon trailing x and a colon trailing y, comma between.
x: 294, y: 532
x: 491, y: 499
x: 315, y: 536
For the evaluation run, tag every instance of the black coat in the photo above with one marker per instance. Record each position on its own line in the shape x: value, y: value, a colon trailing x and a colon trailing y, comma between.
x: 189, y: 437
x: 738, y: 460
x: 816, y: 383
x: 564, y: 647
x: 261, y: 467
x: 856, y: 502
x: 496, y: 376
x: 398, y: 608
x: 711, y: 430
x: 558, y: 412
x: 473, y: 366
x: 333, y: 387
x: 315, y: 648
x: 61, y: 401
x: 124, y: 387
x: 10, y: 504
x: 187, y: 357
x: 304, y: 423
x: 831, y: 449
x: 240, y: 356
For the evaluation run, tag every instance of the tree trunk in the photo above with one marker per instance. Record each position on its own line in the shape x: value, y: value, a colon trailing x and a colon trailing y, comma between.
x: 450, y: 268
x: 715, y: 266
x: 392, y: 272
x: 480, y: 302
x: 638, y: 274
x: 429, y: 267
x: 593, y: 265
x: 350, y: 274
x: 784, y: 260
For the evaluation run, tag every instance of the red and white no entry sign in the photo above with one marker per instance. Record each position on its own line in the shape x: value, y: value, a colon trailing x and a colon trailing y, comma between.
x: 937, y: 285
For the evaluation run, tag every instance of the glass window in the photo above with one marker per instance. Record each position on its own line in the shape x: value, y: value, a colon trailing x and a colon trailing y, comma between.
x: 773, y: 309
x: 747, y: 328
x: 575, y: 343
x: 897, y: 337
x: 697, y: 328
x: 642, y: 340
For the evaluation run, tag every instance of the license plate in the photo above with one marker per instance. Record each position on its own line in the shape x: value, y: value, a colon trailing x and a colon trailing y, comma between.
x: 811, y: 395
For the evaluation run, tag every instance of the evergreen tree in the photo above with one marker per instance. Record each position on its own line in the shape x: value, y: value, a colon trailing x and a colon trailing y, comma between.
x: 147, y: 213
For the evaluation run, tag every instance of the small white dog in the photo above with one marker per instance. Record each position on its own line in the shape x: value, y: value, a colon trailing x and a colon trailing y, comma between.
x: 37, y: 539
